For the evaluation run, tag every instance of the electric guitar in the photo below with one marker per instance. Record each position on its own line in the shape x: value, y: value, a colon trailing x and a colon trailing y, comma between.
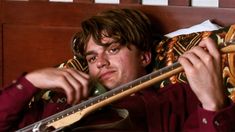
x: 75, y: 113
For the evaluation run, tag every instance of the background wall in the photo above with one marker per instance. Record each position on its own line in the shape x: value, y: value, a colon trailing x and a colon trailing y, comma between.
x: 37, y: 33
x: 195, y: 3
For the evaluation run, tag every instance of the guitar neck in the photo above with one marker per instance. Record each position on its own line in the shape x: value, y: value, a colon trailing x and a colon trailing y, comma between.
x: 76, y: 112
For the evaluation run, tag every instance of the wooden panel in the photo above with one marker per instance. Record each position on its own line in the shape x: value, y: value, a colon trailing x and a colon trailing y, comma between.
x: 31, y: 47
x: 84, y: 1
x: 39, y: 0
x: 167, y: 18
x: 1, y: 49
x: 179, y: 2
x: 130, y: 1
x: 36, y: 38
x: 174, y: 17
x: 227, y: 3
x: 53, y: 13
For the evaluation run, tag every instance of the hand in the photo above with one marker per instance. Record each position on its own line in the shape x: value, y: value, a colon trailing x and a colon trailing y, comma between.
x: 74, y: 83
x: 202, y: 66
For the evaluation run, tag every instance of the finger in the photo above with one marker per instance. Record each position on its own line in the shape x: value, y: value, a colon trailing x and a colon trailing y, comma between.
x: 203, y: 55
x: 211, y: 46
x: 77, y: 73
x: 193, y: 59
x: 213, y: 51
x: 83, y: 80
x: 83, y: 74
x: 186, y: 64
x: 76, y: 85
x: 68, y: 89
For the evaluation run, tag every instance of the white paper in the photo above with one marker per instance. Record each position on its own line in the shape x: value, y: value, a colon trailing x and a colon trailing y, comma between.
x: 205, y: 3
x: 155, y: 2
x: 107, y: 1
x: 61, y: 0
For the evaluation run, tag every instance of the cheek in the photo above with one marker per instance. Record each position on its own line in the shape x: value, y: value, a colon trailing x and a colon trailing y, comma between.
x: 131, y: 62
x: 92, y: 70
x: 129, y: 66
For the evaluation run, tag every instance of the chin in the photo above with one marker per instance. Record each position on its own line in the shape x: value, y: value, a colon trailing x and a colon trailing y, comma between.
x: 110, y: 85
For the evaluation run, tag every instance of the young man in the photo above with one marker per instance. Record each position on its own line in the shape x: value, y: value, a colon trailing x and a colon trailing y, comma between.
x: 117, y: 47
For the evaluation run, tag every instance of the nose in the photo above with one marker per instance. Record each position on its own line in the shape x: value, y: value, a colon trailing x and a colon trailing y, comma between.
x: 102, y: 61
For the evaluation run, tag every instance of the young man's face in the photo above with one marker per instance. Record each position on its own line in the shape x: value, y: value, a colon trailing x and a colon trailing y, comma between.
x: 114, y: 64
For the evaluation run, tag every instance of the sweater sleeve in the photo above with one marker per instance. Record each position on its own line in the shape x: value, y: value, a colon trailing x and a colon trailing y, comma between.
x: 14, y: 99
x: 222, y: 120
x: 176, y: 108
x: 202, y: 120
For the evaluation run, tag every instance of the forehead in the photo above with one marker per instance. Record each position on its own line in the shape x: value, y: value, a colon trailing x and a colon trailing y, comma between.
x: 104, y: 42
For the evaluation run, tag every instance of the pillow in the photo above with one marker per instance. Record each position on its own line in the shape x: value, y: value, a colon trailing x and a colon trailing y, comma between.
x: 77, y: 62
x: 169, y: 49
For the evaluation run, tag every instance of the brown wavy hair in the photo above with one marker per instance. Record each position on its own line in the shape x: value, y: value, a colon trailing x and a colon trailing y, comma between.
x: 126, y: 26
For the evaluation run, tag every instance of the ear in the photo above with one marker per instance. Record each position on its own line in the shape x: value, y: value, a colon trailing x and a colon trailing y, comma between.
x: 146, y: 58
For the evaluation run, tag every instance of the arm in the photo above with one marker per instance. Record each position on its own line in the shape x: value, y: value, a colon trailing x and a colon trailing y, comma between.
x: 16, y: 97
x: 70, y: 81
x: 204, y: 73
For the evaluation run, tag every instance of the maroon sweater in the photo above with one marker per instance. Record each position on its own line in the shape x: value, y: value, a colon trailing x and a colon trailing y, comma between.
x: 173, y: 108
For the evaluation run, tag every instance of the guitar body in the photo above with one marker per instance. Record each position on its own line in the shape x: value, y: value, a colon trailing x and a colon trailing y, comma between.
x: 103, y: 119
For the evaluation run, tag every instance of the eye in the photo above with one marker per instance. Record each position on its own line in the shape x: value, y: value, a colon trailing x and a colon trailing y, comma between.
x: 114, y: 49
x: 91, y: 59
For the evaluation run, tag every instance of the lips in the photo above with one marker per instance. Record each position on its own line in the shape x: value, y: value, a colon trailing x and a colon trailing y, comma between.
x: 106, y: 75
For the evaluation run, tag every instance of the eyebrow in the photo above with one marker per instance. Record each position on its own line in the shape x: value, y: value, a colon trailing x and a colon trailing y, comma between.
x: 103, y: 45
x: 89, y: 53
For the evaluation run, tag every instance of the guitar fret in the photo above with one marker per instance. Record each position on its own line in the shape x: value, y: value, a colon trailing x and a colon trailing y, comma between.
x: 116, y: 91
